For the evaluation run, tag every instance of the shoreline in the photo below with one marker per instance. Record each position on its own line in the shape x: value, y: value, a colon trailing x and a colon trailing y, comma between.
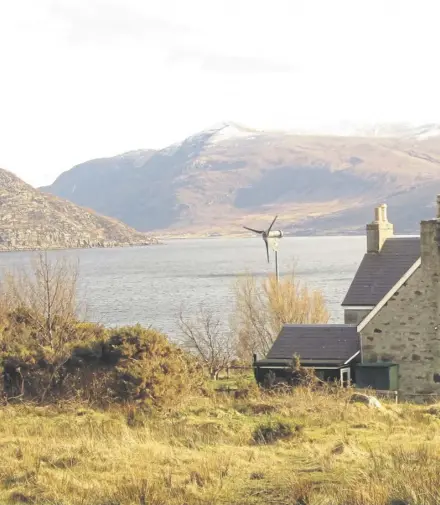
x: 49, y: 249
x: 173, y: 238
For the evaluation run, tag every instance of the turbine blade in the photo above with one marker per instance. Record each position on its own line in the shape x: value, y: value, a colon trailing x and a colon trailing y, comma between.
x: 267, y: 250
x: 251, y: 229
x: 273, y: 222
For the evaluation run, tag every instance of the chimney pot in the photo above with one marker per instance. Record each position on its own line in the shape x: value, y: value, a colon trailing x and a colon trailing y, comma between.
x: 384, y: 212
x: 429, y: 241
x: 377, y: 216
x: 379, y: 230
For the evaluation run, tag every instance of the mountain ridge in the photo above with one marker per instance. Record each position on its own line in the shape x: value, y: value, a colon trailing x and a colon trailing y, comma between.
x: 216, y: 180
x: 32, y: 220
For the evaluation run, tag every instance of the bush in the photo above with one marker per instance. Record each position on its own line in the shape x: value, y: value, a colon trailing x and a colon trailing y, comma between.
x: 39, y: 327
x: 301, y: 376
x: 246, y: 388
x: 32, y: 370
x: 130, y: 364
x: 148, y: 368
x: 47, y: 354
x: 270, y: 432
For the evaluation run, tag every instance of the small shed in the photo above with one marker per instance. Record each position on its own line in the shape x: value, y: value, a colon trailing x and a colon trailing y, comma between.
x: 332, y: 350
x: 382, y: 376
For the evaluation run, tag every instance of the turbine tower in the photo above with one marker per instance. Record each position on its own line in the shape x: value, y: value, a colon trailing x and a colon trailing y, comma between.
x: 271, y: 240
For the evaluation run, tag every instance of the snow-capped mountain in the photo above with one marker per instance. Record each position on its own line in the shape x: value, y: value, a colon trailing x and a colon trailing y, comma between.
x: 229, y: 130
x: 380, y: 130
x: 217, y: 133
x: 214, y: 179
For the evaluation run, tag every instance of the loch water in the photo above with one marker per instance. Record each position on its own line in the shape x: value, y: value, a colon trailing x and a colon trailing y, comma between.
x: 149, y: 285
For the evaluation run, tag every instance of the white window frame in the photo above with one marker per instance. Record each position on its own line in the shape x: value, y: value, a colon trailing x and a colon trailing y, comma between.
x: 342, y: 371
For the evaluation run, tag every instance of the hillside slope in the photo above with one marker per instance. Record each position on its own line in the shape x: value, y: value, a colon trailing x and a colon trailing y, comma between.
x: 30, y: 219
x: 219, y: 179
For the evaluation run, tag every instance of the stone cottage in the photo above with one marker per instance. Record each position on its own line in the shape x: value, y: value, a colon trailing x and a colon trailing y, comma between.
x: 394, y: 304
x: 404, y: 326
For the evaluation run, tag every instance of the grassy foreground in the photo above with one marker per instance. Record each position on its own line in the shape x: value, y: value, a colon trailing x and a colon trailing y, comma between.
x: 213, y: 451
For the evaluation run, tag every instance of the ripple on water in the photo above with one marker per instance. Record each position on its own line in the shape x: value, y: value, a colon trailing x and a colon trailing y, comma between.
x: 148, y: 285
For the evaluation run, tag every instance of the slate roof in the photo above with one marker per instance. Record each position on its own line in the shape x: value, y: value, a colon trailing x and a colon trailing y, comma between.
x: 316, y: 342
x: 379, y: 272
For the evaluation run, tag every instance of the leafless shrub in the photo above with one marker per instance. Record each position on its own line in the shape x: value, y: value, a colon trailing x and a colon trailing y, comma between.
x: 206, y: 337
x: 39, y: 315
x: 261, y: 308
x: 47, y: 296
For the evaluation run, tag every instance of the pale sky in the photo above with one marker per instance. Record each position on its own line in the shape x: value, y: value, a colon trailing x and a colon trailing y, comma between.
x: 82, y: 79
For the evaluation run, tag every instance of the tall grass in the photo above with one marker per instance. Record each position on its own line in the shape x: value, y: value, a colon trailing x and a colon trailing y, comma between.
x: 204, y: 452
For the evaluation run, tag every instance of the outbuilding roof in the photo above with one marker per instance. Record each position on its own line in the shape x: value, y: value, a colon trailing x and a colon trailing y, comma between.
x: 329, y: 343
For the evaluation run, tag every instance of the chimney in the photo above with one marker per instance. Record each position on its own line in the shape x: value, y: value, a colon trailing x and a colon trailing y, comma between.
x: 430, y: 241
x: 379, y: 230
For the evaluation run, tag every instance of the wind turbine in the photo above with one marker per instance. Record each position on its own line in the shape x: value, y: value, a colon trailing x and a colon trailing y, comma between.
x: 271, y: 238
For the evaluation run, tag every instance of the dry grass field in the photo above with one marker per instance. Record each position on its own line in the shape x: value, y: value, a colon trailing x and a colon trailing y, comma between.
x: 121, y: 416
x: 303, y: 448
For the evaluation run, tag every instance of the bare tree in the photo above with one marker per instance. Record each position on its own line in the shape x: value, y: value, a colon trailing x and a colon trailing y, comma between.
x: 261, y: 308
x: 48, y: 294
x: 208, y: 339
x: 44, y: 296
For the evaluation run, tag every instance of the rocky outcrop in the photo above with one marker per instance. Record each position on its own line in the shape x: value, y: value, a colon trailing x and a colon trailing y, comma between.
x: 370, y: 401
x: 32, y: 220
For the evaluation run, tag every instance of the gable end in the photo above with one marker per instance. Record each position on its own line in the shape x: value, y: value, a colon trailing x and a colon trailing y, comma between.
x: 389, y: 295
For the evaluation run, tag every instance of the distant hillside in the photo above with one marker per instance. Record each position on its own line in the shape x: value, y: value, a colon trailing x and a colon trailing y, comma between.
x: 30, y: 219
x: 219, y: 179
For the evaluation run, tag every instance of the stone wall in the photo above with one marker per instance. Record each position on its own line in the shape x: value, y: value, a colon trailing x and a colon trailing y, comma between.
x: 355, y: 316
x: 406, y: 330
